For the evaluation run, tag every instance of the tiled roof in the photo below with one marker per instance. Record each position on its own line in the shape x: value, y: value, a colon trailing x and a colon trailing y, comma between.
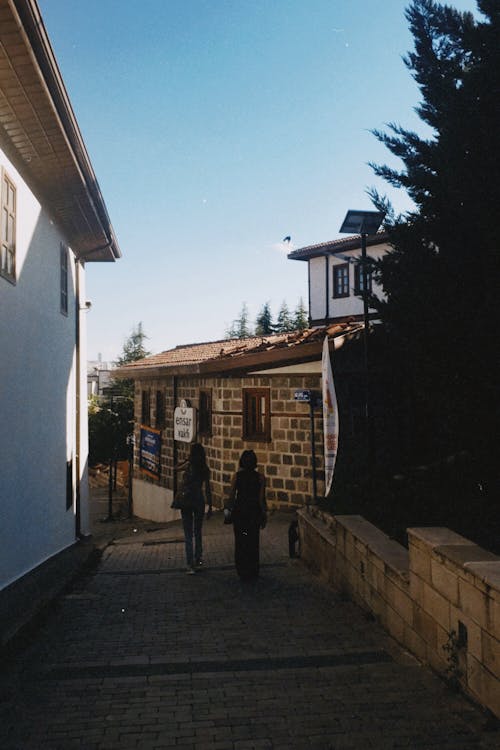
x: 353, y: 242
x: 227, y: 351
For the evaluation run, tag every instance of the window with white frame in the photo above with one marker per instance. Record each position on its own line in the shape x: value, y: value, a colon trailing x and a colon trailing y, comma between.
x: 341, y: 280
x: 8, y: 229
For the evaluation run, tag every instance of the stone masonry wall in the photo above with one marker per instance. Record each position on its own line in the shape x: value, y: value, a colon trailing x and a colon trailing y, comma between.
x: 440, y: 598
x: 285, y: 460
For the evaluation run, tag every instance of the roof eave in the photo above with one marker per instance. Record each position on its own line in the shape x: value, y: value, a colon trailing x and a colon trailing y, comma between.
x: 99, y: 242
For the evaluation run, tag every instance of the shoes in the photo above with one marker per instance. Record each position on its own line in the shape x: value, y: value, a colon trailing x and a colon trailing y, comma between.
x: 190, y: 571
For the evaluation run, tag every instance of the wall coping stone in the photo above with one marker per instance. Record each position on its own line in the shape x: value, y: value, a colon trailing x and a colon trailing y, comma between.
x: 461, y: 554
x: 390, y: 552
x: 393, y: 554
x: 487, y: 571
x: 438, y: 536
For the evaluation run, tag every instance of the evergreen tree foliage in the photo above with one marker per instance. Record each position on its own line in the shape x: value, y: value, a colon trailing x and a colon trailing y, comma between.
x: 441, y: 280
x: 264, y: 322
x: 111, y: 418
x: 284, y: 322
x: 240, y: 328
x: 133, y: 347
x: 300, y: 317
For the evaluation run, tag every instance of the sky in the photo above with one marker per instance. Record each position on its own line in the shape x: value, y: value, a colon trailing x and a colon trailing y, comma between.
x: 215, y: 129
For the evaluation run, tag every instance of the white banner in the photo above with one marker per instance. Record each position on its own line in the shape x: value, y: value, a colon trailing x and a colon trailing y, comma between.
x: 330, y: 416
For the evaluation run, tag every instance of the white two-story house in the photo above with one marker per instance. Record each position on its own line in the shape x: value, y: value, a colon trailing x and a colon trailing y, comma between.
x: 336, y: 278
x: 53, y: 222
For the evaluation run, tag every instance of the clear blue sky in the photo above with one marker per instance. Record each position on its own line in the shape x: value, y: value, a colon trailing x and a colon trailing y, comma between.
x: 216, y: 128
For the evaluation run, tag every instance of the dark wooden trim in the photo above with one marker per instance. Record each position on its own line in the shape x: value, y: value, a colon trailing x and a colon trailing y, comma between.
x: 247, y: 433
x: 340, y: 267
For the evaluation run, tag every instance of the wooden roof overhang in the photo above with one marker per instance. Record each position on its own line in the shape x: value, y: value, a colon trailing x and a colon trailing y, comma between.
x: 341, y: 245
x: 40, y: 135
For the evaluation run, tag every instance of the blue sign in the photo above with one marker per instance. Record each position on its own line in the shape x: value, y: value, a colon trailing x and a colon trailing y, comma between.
x: 150, y: 452
x: 302, y: 396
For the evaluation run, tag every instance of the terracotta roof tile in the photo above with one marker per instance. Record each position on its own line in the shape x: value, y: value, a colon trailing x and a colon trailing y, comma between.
x: 230, y: 349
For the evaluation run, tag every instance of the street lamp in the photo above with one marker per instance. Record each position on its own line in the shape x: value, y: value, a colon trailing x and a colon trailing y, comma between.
x: 364, y: 223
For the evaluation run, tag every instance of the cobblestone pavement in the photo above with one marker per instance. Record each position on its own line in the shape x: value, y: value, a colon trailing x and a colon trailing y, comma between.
x: 137, y: 654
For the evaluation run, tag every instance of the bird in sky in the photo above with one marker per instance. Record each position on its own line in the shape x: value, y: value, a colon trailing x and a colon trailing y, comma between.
x: 287, y: 238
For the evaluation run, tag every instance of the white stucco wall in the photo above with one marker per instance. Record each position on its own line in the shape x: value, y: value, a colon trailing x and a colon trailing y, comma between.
x: 352, y: 305
x: 317, y: 290
x: 37, y: 396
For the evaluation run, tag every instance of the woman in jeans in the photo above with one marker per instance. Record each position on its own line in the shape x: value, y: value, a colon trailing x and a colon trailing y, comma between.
x: 196, y: 478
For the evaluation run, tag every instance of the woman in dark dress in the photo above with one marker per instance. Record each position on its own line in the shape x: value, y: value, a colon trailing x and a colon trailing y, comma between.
x: 247, y: 503
x: 196, y: 476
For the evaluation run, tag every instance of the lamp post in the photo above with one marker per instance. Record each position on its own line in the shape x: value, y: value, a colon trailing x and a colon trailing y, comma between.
x: 364, y: 223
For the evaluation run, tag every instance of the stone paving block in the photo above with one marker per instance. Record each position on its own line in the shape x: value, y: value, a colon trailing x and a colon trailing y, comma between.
x: 209, y: 664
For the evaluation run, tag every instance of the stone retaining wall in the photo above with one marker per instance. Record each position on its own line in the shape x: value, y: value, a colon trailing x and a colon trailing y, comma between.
x: 440, y: 599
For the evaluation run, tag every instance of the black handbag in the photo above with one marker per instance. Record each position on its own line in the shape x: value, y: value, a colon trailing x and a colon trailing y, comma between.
x: 183, y: 498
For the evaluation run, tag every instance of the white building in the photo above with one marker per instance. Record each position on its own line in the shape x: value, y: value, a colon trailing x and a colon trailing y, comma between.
x: 99, y: 376
x: 336, y: 279
x: 53, y: 221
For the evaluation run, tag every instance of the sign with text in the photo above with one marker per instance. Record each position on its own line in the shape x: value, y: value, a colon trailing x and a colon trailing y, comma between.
x: 302, y: 396
x: 150, y: 451
x: 184, y: 423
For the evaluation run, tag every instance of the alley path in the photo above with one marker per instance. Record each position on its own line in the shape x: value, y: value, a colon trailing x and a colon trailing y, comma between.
x: 139, y: 655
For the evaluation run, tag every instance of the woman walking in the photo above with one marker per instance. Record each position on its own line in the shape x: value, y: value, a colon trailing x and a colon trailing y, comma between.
x: 247, y: 502
x: 196, y: 477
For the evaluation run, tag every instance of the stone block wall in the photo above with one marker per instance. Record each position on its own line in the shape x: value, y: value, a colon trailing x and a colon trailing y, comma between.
x: 285, y: 459
x: 440, y: 598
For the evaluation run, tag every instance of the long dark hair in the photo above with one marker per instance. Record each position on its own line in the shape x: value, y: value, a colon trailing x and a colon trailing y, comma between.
x: 248, y: 461
x: 198, y: 459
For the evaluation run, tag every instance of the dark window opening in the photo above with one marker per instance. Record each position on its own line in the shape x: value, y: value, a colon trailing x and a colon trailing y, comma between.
x: 205, y: 413
x: 341, y: 280
x: 160, y: 409
x: 359, y: 279
x: 256, y: 414
x: 64, y: 279
x: 146, y: 408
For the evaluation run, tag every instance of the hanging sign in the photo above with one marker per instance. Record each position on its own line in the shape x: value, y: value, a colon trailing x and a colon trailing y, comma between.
x: 150, y: 451
x: 330, y: 417
x: 184, y: 423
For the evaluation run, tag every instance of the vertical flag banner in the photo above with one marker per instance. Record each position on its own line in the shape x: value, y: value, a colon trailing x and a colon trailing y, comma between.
x: 330, y: 416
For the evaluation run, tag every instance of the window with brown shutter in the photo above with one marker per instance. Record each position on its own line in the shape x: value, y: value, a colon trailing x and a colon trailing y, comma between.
x: 146, y: 408
x: 256, y: 414
x: 205, y: 413
x: 8, y: 229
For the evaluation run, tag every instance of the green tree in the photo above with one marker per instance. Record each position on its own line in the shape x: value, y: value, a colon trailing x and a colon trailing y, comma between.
x: 111, y: 417
x: 240, y: 328
x: 441, y: 280
x: 300, y: 318
x: 284, y: 321
x: 264, y: 321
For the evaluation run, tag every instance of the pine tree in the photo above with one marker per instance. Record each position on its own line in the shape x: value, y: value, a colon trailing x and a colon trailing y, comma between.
x: 264, y: 322
x: 284, y: 322
x: 240, y: 328
x: 300, y: 319
x: 133, y: 347
x: 442, y: 277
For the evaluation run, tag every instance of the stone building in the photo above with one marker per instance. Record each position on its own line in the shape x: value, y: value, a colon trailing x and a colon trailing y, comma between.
x: 231, y: 395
